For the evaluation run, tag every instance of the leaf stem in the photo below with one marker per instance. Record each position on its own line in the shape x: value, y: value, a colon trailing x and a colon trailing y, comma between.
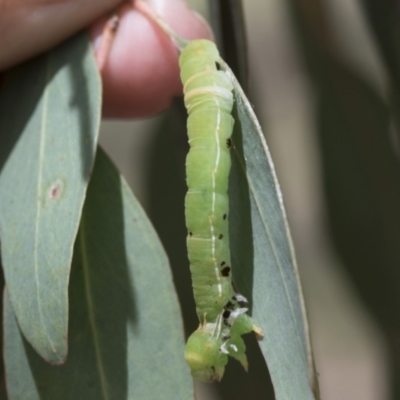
x: 143, y: 7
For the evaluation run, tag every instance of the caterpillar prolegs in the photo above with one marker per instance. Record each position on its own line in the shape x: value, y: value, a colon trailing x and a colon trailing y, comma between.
x: 221, y: 311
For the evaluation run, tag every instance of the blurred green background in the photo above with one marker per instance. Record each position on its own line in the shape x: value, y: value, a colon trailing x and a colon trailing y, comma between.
x: 323, y: 81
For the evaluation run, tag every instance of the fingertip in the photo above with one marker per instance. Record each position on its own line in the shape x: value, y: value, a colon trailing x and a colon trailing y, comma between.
x: 141, y: 74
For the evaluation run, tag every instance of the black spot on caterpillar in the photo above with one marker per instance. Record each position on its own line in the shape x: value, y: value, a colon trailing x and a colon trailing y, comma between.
x: 225, y: 271
x: 229, y: 306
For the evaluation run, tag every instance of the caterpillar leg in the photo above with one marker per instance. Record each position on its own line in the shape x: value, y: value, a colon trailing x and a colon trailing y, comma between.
x: 257, y: 330
x: 240, y: 299
x: 236, y: 348
x: 234, y: 344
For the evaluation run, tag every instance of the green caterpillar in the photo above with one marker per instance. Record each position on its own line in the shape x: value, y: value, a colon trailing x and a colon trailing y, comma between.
x: 221, y: 311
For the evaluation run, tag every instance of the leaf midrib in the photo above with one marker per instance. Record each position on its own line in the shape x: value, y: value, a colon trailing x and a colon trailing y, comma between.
x: 43, y: 126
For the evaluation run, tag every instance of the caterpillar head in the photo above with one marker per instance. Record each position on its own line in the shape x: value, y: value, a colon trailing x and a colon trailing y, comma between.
x: 205, y: 359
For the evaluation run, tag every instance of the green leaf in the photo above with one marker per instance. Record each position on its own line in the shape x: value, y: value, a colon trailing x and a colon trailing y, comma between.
x: 49, y: 120
x: 263, y: 257
x: 125, y: 336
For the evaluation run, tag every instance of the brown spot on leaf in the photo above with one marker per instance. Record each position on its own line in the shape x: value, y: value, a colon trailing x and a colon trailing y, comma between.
x: 55, y: 191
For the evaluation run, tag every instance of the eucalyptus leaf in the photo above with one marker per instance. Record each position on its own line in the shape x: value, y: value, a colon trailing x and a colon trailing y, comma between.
x: 126, y: 339
x: 263, y: 257
x: 49, y: 121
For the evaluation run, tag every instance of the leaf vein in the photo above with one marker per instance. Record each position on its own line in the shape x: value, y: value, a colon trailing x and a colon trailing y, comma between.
x: 89, y: 299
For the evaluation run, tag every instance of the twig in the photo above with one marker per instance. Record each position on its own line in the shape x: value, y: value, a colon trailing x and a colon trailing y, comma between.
x: 107, y: 38
x: 145, y: 9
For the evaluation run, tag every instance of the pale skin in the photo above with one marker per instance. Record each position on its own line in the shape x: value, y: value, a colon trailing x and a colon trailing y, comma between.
x: 140, y: 72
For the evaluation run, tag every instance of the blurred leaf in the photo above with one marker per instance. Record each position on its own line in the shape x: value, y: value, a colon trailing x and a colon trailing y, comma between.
x: 263, y: 257
x: 360, y: 169
x: 49, y: 119
x: 362, y: 185
x: 361, y: 176
x: 362, y: 182
x: 125, y: 332
x: 227, y: 21
x: 384, y: 18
